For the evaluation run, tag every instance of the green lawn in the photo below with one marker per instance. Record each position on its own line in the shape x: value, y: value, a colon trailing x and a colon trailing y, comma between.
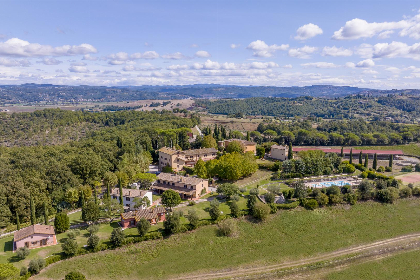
x: 402, y: 266
x: 288, y: 235
x: 409, y: 149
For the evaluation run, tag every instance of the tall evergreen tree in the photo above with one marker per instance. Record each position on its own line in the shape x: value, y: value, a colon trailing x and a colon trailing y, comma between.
x: 342, y: 152
x: 351, y: 156
x: 290, y: 152
x: 391, y: 159
x: 45, y: 213
x: 33, y: 215
x: 366, y: 160
x: 361, y: 157
x: 248, y: 137
x: 17, y: 221
x: 95, y: 195
x: 121, y: 193
x: 375, y: 161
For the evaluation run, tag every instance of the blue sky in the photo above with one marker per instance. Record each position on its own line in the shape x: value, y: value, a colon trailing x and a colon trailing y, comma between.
x: 282, y: 43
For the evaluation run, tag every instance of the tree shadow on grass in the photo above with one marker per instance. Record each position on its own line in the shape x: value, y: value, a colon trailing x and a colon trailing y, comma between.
x: 14, y: 259
x: 8, y: 246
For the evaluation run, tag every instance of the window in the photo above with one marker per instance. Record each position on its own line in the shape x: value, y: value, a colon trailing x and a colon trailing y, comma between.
x: 159, y: 181
x: 205, y: 155
x: 128, y: 205
x: 173, y: 184
x: 185, y: 186
x: 127, y: 199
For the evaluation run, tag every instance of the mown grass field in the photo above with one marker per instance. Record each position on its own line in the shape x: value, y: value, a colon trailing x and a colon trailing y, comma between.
x: 403, y: 266
x: 287, y: 235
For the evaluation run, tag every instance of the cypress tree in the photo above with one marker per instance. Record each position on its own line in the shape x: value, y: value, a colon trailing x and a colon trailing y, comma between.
x: 290, y: 153
x: 121, y: 192
x: 351, y: 156
x: 17, y: 221
x: 108, y: 192
x: 342, y: 151
x: 33, y: 215
x: 82, y: 199
x: 45, y: 214
x: 366, y: 160
x: 248, y: 138
x: 375, y: 161
x: 361, y: 157
x: 391, y: 159
x: 96, y: 197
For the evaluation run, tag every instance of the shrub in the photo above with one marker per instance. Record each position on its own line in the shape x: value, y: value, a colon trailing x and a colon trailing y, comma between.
x: 380, y: 169
x: 273, y: 208
x: 93, y: 241
x: 214, y: 210
x: 311, y: 204
x: 269, y: 197
x: 350, y: 198
x: 406, y: 192
x: 335, y: 199
x: 172, y: 224
x: 22, y: 252
x: 23, y: 271
x: 36, y: 265
x: 274, y: 189
x: 410, y: 185
x: 193, y: 218
x: 417, y: 167
x: 364, y: 175
x: 407, y: 169
x: 261, y: 211
x: 322, y: 199
x: 234, y: 209
x: 61, y: 222
x: 72, y: 234
x: 143, y: 226
x: 416, y: 191
x: 92, y: 229
x: 388, y: 195
x: 191, y: 203
x: 74, y: 275
x: 52, y: 259
x: 388, y: 169
x: 117, y: 237
x: 228, y: 227
x: 69, y: 247
x: 254, y: 191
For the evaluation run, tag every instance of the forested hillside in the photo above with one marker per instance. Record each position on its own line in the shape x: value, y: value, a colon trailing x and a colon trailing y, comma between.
x: 122, y: 142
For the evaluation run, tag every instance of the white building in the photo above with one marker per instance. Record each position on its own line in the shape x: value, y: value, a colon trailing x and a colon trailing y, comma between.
x: 129, y: 196
x: 279, y: 152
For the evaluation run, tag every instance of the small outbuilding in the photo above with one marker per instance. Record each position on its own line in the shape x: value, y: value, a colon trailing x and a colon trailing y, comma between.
x: 34, y: 236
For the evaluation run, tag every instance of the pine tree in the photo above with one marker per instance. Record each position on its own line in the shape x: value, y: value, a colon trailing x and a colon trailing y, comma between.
x: 375, y: 161
x: 351, y: 156
x: 33, y: 215
x: 361, y: 157
x: 45, y: 214
x: 290, y: 153
x: 342, y: 151
x: 391, y: 159
x: 366, y: 160
x: 17, y: 221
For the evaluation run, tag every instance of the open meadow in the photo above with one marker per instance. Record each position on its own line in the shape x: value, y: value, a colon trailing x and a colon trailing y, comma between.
x: 287, y: 235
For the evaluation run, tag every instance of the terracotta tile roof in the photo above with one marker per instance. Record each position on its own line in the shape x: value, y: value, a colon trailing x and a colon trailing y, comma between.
x: 199, y: 152
x: 168, y: 151
x: 148, y: 214
x: 33, y: 229
x: 129, y: 192
x: 178, y: 178
x: 164, y: 187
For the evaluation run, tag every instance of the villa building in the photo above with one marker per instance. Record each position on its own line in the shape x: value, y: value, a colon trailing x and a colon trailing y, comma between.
x: 279, y: 152
x: 178, y: 159
x: 187, y: 187
x: 34, y: 236
x: 153, y: 215
x: 130, y: 195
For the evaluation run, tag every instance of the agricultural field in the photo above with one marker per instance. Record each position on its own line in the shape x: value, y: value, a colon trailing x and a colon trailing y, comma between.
x: 247, y: 124
x: 286, y: 236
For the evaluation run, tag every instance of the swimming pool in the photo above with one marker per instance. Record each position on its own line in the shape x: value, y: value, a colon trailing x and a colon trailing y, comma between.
x: 329, y: 184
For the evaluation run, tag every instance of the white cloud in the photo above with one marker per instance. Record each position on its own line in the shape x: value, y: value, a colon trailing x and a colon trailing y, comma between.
x: 303, y: 52
x: 263, y: 65
x: 370, y: 71
x: 78, y: 64
x: 359, y: 28
x: 202, y: 54
x: 334, y: 51
x: 14, y: 63
x: 319, y: 65
x: 308, y: 31
x: 350, y: 65
x: 149, y: 55
x: 393, y: 69
x: 78, y: 69
x: 390, y: 50
x: 261, y: 49
x: 288, y: 66
x: 194, y: 46
x: 144, y: 67
x: 174, y: 56
x: 50, y: 61
x: 234, y: 46
x: 20, y: 48
x: 177, y: 67
x: 89, y: 57
x: 123, y: 57
x: 365, y: 63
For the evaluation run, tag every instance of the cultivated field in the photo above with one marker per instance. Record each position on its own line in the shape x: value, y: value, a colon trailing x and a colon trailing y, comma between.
x: 287, y: 236
x: 248, y: 124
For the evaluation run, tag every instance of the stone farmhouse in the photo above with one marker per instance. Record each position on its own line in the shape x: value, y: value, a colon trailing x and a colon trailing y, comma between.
x: 129, y: 196
x: 279, y: 152
x: 248, y: 145
x: 187, y: 187
x: 153, y: 215
x: 178, y: 159
x: 34, y: 236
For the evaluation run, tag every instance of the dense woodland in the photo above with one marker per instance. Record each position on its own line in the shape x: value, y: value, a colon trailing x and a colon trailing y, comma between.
x: 397, y: 108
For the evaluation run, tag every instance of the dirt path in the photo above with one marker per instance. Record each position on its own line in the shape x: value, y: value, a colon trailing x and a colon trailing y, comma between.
x: 289, y: 265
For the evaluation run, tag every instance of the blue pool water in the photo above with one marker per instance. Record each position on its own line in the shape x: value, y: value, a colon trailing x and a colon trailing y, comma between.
x: 328, y: 184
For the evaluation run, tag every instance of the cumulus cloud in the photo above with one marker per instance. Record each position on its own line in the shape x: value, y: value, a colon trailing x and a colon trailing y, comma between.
x: 390, y: 50
x: 202, y: 54
x: 350, y: 65
x: 359, y: 28
x: 174, y: 56
x: 14, y: 63
x: 308, y: 31
x: 261, y: 49
x: 334, y: 51
x: 143, y: 67
x: 89, y: 57
x: 303, y: 52
x: 177, y: 67
x: 288, y: 66
x: 20, y: 48
x: 123, y: 57
x: 234, y: 46
x: 78, y: 69
x: 319, y: 65
x: 50, y: 61
x: 365, y: 63
x: 263, y: 65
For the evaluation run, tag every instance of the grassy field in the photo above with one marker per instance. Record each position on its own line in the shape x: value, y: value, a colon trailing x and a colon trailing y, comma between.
x: 409, y: 149
x: 401, y: 266
x: 288, y: 235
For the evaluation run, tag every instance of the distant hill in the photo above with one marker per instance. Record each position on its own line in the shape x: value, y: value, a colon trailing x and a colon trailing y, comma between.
x: 35, y: 93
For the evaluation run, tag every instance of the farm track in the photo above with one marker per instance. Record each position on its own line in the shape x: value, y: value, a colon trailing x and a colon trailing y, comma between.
x: 361, y: 249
